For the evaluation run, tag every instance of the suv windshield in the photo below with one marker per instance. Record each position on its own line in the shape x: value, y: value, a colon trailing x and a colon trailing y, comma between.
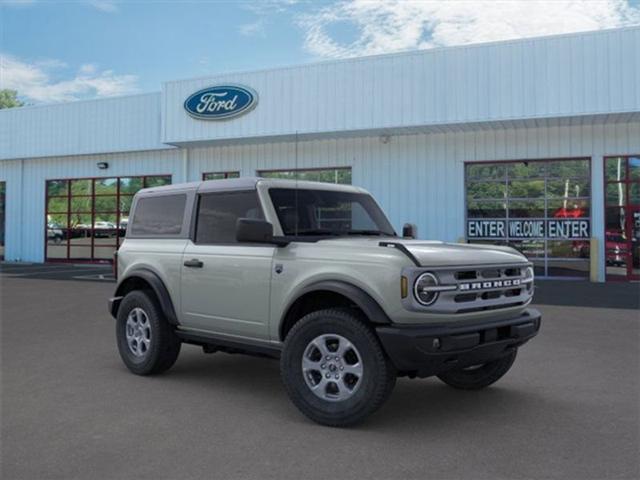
x: 307, y: 212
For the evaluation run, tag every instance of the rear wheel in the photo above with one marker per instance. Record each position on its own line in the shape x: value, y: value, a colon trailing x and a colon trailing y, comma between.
x: 146, y: 342
x: 479, y: 376
x: 334, y: 368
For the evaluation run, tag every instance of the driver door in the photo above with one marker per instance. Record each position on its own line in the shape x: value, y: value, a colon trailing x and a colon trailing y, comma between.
x: 225, y: 284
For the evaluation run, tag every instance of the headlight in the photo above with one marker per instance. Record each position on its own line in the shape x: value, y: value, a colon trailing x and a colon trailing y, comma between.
x: 422, y: 289
x: 528, y: 278
x: 528, y: 273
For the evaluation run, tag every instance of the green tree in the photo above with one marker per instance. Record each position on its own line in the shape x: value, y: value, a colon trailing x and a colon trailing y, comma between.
x: 9, y: 99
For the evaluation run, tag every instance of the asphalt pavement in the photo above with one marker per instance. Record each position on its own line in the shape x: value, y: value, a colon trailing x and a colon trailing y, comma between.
x: 569, y: 408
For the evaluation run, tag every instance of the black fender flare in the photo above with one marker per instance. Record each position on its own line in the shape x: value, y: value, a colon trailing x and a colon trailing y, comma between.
x: 158, y: 287
x: 358, y: 296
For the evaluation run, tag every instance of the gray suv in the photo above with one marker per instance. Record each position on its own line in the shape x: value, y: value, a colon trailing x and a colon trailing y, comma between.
x: 314, y: 274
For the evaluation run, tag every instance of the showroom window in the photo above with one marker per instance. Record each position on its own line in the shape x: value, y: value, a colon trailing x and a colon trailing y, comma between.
x: 622, y: 217
x: 219, y: 175
x: 3, y: 188
x: 86, y: 218
x: 540, y: 207
x: 340, y: 175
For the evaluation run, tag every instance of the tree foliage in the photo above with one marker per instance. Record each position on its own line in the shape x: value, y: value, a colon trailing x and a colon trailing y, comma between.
x: 9, y: 99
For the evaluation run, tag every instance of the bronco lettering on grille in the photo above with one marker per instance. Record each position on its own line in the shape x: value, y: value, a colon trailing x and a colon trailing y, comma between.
x: 489, y: 285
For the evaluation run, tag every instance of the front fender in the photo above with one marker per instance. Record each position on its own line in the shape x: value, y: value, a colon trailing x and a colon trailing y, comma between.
x: 355, y: 294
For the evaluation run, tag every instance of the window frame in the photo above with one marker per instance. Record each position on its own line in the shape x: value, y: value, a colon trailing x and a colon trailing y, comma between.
x: 3, y: 206
x: 193, y: 231
x: 226, y: 174
x: 92, y: 213
x: 628, y: 206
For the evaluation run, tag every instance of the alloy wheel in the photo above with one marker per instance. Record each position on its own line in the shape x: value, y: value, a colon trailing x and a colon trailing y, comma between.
x: 138, y: 332
x: 332, y: 367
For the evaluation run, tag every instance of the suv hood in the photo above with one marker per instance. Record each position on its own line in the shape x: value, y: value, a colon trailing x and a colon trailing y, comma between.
x: 438, y: 254
x: 441, y: 254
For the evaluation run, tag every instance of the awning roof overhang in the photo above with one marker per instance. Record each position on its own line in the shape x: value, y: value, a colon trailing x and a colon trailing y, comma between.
x: 503, y: 124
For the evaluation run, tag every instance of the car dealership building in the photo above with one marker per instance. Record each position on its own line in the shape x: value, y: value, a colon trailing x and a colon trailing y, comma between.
x: 533, y: 143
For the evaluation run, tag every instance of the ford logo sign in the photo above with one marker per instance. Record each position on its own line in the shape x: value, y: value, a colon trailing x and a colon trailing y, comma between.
x: 221, y: 102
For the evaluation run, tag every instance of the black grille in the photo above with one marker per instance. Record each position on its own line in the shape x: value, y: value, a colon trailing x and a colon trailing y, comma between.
x: 465, y: 297
x: 490, y: 307
x: 490, y: 273
x: 468, y: 275
x: 474, y: 301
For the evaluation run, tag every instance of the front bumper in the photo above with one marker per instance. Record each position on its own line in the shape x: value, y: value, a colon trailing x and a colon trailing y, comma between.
x: 424, y: 351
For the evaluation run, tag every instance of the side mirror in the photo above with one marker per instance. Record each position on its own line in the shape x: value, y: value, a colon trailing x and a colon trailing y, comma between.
x: 251, y: 230
x: 409, y: 230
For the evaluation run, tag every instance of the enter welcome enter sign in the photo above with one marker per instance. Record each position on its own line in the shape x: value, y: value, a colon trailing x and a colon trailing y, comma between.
x: 570, y: 229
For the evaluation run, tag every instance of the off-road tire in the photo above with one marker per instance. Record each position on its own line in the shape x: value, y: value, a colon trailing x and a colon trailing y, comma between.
x: 378, y: 379
x: 480, y: 377
x: 164, y: 347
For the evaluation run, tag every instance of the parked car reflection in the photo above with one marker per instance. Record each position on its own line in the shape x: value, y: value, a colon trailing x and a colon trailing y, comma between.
x: 54, y: 233
x: 616, y: 248
x: 104, y: 229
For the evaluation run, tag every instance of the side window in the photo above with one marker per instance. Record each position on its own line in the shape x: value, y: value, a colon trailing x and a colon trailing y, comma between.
x: 218, y: 213
x: 161, y: 215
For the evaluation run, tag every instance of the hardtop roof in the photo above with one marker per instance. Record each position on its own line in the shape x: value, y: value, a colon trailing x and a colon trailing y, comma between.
x: 245, y: 183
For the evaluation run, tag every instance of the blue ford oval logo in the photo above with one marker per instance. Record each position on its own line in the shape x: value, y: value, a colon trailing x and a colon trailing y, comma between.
x: 221, y: 102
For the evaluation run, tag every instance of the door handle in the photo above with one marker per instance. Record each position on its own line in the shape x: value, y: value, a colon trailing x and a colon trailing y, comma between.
x: 193, y: 263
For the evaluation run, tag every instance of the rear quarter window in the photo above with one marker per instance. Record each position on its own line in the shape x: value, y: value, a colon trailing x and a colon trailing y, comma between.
x: 161, y: 215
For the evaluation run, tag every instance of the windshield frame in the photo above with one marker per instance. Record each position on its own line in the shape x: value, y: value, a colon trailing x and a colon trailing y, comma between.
x: 371, y: 207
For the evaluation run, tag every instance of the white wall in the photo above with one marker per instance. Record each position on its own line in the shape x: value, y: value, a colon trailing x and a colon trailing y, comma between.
x: 11, y: 173
x: 566, y: 76
x: 559, y: 76
x: 120, y: 124
x: 416, y: 178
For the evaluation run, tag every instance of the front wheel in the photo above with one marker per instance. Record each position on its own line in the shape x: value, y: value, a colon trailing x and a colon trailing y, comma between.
x: 479, y: 376
x: 334, y: 368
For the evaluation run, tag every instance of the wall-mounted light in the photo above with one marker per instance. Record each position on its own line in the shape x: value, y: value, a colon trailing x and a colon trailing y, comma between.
x: 102, y: 165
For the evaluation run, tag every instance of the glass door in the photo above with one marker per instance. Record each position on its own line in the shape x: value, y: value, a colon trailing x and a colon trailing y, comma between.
x: 3, y: 186
x: 622, y: 217
x: 633, y: 265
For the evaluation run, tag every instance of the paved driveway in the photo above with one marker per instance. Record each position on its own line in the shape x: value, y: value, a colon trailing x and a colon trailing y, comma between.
x: 58, y: 271
x: 568, y: 409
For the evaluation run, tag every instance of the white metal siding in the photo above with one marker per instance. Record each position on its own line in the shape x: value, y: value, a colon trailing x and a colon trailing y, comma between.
x: 11, y: 173
x: 98, y: 126
x: 572, y: 76
x: 416, y: 178
x: 562, y: 76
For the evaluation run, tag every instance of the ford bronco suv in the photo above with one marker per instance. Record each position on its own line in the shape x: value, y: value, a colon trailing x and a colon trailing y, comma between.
x: 314, y: 274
